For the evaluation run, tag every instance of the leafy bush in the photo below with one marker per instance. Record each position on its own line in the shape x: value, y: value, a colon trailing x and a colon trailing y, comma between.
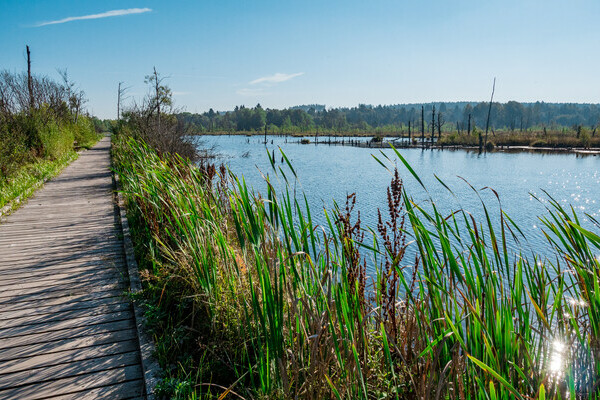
x: 84, y: 132
x: 13, y: 150
x: 55, y: 141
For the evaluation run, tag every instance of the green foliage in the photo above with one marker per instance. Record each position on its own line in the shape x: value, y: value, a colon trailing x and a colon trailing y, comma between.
x: 84, y: 133
x: 586, y: 138
x: 13, y: 150
x: 26, y: 178
x: 55, y: 141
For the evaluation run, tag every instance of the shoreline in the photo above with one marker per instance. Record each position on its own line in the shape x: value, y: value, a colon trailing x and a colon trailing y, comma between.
x: 402, y: 144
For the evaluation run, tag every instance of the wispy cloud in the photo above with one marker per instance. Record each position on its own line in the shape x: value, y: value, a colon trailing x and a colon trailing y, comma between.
x: 276, y: 78
x: 107, y: 14
x: 252, y: 92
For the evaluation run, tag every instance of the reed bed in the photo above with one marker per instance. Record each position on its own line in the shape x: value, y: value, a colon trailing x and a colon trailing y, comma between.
x: 248, y: 298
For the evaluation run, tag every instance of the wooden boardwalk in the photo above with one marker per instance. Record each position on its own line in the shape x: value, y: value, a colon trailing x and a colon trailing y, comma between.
x: 66, y: 330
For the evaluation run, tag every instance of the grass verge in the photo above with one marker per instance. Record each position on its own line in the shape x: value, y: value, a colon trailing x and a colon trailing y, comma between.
x: 23, y: 183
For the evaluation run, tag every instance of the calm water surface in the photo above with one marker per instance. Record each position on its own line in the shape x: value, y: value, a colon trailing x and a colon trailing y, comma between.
x: 328, y: 173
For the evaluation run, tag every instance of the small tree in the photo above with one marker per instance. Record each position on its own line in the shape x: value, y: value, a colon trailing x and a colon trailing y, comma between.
x: 155, y: 122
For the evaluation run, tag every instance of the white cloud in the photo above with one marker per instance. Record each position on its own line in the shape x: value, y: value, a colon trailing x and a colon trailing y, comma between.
x: 276, y: 78
x: 107, y: 14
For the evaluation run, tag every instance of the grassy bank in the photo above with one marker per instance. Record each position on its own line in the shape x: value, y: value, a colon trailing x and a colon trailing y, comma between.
x: 531, y: 139
x: 23, y: 182
x: 247, y: 298
x: 23, y: 167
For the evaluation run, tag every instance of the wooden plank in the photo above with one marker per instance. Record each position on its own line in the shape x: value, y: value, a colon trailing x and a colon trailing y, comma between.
x: 66, y: 306
x: 88, y: 320
x: 67, y: 299
x: 37, y: 349
x: 128, y: 390
x: 25, y: 281
x: 34, y: 294
x: 44, y: 374
x: 46, y: 319
x: 72, y: 333
x: 81, y: 275
x: 62, y: 265
x: 67, y: 356
x: 41, y: 390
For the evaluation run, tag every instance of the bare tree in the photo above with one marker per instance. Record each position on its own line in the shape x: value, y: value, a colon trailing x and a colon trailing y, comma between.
x: 121, y: 98
x: 29, y: 79
x: 155, y: 122
x: 432, y: 125
x: 75, y: 97
x: 422, y: 126
x: 487, y: 124
x: 469, y: 126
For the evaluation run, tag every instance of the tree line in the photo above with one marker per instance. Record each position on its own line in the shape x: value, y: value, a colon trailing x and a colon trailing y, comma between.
x: 450, y: 116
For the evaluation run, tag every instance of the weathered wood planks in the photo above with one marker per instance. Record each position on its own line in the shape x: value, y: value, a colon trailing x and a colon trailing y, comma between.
x: 67, y: 329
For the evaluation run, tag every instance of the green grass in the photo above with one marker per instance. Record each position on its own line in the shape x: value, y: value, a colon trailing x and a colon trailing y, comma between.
x: 23, y: 183
x: 247, y: 297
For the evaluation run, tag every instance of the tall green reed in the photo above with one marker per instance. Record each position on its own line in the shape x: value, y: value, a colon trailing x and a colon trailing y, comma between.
x: 296, y: 316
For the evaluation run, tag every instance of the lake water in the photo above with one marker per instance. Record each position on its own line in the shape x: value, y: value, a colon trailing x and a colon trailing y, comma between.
x: 328, y: 173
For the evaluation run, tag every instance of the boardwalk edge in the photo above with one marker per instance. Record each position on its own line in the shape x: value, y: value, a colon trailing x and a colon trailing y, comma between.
x: 150, y: 366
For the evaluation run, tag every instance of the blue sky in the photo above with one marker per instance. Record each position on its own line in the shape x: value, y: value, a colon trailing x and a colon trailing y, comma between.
x: 340, y: 53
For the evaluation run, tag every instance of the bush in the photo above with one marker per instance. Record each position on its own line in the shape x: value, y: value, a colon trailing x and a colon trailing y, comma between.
x: 585, y: 138
x: 13, y: 150
x: 55, y: 141
x: 83, y: 132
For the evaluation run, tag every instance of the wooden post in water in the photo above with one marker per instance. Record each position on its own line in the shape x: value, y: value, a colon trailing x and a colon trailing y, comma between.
x: 409, y: 134
x: 432, y: 125
x: 422, y: 127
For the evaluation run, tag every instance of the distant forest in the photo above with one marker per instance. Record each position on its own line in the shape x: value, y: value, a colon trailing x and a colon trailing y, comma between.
x: 452, y: 116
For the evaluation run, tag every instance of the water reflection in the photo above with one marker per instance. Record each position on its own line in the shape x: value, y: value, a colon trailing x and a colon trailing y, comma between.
x: 557, y: 362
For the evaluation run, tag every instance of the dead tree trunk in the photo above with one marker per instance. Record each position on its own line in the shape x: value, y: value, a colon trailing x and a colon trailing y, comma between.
x: 432, y: 125
x: 469, y: 126
x: 119, y: 102
x: 29, y: 80
x: 422, y: 127
x: 410, y: 133
x: 158, y: 99
x: 487, y: 123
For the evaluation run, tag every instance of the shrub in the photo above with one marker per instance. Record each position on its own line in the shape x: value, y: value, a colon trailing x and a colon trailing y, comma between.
x: 585, y: 138
x: 83, y: 132
x: 13, y: 150
x: 55, y: 141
